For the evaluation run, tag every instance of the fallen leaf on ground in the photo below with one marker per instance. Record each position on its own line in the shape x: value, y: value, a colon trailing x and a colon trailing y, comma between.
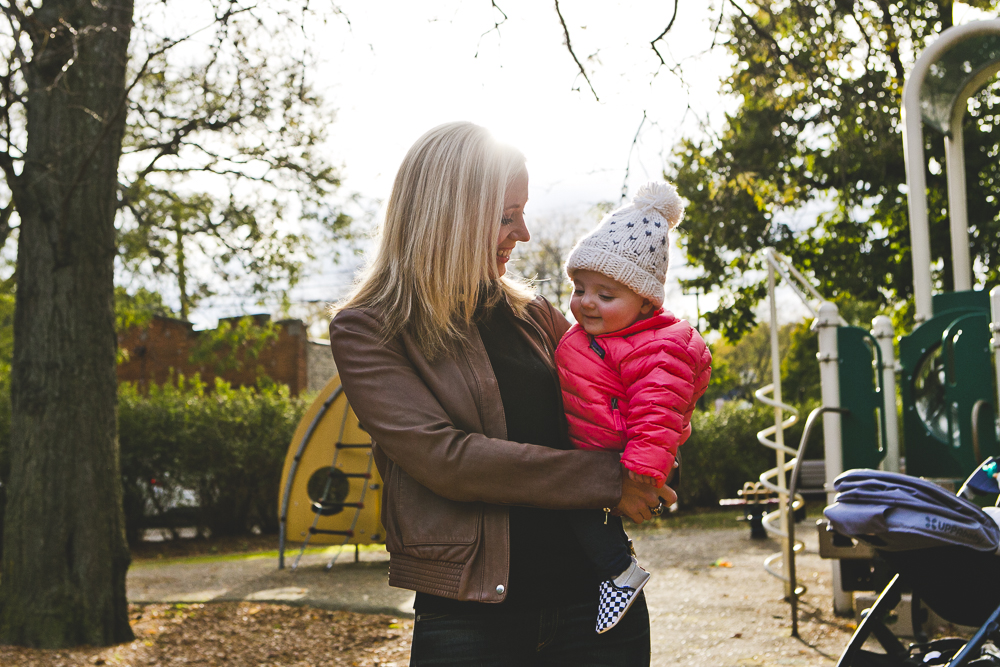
x: 275, y: 635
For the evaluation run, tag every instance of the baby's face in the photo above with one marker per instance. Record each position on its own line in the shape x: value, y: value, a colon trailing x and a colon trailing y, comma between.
x: 602, y: 305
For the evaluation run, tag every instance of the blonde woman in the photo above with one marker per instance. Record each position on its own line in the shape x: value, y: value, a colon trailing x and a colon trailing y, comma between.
x: 448, y: 363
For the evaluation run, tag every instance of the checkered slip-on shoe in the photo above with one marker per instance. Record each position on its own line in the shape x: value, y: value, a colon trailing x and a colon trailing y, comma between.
x: 618, y: 594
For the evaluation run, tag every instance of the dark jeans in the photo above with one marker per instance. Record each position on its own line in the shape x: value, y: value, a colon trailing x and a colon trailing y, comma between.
x: 605, y: 544
x: 563, y: 636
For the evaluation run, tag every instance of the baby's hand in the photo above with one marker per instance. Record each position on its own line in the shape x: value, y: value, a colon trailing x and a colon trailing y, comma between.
x: 644, y: 479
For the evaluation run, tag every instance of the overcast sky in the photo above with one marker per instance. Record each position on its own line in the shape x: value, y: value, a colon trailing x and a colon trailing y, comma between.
x: 393, y: 69
x: 399, y: 68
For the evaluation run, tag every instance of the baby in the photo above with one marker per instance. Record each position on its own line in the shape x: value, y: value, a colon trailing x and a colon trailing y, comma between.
x: 630, y: 372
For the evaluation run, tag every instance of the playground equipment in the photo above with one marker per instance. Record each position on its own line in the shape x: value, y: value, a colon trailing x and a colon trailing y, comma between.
x: 330, y: 489
x: 948, y: 376
x: 948, y: 393
x: 859, y: 404
x: 947, y: 389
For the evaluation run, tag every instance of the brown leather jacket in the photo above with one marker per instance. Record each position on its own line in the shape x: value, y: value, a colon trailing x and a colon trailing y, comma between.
x: 438, y: 433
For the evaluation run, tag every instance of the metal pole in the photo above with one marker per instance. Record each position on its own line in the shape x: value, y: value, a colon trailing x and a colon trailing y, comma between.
x: 916, y: 184
x: 792, y: 489
x: 913, y: 155
x: 829, y: 374
x: 954, y: 152
x: 883, y: 333
x: 779, y: 435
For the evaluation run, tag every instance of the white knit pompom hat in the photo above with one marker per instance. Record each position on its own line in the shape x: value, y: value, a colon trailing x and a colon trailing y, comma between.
x: 631, y: 245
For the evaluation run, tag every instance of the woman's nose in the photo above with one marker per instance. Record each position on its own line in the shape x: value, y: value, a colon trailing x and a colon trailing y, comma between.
x: 520, y: 231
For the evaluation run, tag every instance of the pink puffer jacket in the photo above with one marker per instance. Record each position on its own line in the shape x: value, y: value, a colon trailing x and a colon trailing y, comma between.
x: 634, y: 390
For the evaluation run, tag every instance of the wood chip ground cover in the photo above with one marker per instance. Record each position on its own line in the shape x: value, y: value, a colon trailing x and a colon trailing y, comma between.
x: 239, y: 634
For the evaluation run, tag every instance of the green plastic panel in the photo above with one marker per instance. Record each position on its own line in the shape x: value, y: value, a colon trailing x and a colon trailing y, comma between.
x: 970, y: 300
x: 946, y: 369
x: 955, y: 69
x: 966, y: 354
x: 862, y: 430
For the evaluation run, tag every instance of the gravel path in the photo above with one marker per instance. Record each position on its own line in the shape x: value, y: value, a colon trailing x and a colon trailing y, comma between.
x: 704, y: 614
x: 710, y: 600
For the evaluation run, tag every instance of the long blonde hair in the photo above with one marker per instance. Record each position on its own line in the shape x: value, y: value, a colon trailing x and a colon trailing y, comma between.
x: 437, y: 246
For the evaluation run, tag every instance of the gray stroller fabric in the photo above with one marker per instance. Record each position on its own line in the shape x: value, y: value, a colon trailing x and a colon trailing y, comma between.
x: 898, y: 513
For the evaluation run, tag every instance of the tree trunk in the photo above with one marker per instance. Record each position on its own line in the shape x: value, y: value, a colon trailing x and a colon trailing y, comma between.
x: 64, y: 553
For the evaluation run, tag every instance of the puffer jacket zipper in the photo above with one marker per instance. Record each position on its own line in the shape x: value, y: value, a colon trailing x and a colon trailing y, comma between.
x: 616, y: 415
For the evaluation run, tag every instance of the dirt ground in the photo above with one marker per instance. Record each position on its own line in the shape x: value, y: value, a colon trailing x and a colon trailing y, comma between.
x: 710, y: 600
x: 239, y: 634
x: 712, y: 603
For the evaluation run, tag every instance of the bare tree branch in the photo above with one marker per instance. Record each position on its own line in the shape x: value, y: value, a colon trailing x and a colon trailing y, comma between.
x: 172, y: 146
x: 496, y: 26
x: 570, y: 47
x: 718, y: 26
x: 12, y: 12
x: 628, y: 163
x: 663, y: 34
x: 757, y: 28
x: 122, y: 104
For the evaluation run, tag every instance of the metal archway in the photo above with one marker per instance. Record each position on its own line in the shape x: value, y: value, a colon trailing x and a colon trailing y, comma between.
x: 946, y: 74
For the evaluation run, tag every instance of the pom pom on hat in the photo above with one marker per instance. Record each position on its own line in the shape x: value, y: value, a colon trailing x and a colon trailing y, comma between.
x: 662, y: 198
x: 631, y: 244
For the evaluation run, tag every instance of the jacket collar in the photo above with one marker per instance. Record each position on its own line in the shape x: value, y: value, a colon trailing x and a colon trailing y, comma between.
x: 658, y: 320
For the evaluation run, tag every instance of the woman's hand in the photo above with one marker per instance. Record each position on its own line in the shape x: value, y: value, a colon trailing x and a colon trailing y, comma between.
x: 639, y: 500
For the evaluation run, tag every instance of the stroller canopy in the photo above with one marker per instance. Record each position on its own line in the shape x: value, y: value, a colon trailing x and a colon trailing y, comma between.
x: 897, y: 512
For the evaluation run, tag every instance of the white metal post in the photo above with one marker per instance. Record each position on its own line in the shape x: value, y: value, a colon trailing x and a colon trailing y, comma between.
x: 954, y: 152
x: 883, y: 333
x: 779, y: 435
x: 913, y: 154
x: 829, y: 375
x: 916, y: 184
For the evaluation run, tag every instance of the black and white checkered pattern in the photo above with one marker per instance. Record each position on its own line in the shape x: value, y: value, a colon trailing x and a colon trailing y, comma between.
x: 618, y: 594
x: 614, y: 603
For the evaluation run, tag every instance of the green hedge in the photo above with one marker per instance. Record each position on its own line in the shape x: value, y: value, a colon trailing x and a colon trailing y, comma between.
x: 723, y: 452
x: 211, y: 459
x: 193, y: 457
x: 216, y: 456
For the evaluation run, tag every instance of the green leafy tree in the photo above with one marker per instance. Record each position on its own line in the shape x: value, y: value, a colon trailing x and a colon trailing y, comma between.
x: 799, y: 366
x: 722, y: 382
x: 224, y: 157
x: 137, y: 309
x: 800, y: 379
x: 62, y: 578
x: 228, y: 101
x: 745, y: 365
x: 817, y: 127
x: 236, y: 345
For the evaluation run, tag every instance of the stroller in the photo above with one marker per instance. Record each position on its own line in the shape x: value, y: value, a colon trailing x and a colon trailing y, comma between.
x: 943, y: 548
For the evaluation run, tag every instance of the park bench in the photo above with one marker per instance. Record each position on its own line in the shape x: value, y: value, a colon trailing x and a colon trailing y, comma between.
x: 755, y: 500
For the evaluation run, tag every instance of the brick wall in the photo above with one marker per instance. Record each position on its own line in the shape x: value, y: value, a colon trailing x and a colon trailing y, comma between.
x: 165, y: 345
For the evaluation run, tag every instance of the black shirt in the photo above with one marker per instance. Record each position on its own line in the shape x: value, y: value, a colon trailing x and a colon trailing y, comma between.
x: 547, y: 565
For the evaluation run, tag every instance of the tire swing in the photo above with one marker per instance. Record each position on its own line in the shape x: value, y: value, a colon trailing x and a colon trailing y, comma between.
x: 330, y: 489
